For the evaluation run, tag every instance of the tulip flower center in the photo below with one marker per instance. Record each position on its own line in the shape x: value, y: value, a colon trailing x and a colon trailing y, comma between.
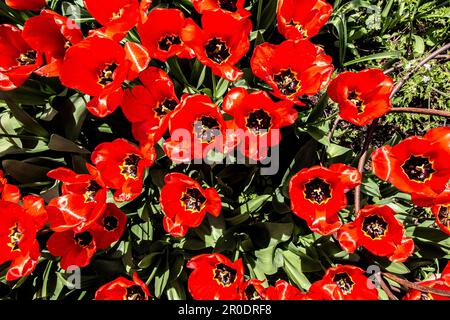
x: 418, y: 169
x: 135, y: 292
x: 217, y: 50
x: 259, y: 122
x: 168, y: 41
x: 14, y: 237
x: 344, y: 282
x: 206, y: 129
x: 110, y: 223
x: 287, y: 82
x: 27, y: 58
x: 426, y: 296
x: 165, y: 107
x: 229, y: 5
x: 374, y: 227
x: 91, y: 191
x: 251, y: 293
x: 299, y: 27
x: 444, y: 215
x: 317, y: 191
x: 129, y: 167
x: 193, y: 200
x: 106, y: 76
x: 357, y: 101
x: 83, y: 239
x: 224, y: 275
x: 67, y: 44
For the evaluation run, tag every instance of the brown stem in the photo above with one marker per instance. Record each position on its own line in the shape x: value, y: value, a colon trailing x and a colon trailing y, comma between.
x: 362, y: 161
x: 385, y: 287
x: 421, y: 63
x: 431, y: 112
x: 415, y: 286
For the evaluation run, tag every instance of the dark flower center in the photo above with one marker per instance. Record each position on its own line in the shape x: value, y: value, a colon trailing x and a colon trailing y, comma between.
x: 206, y: 128
x: 106, y: 76
x: 14, y: 237
x: 444, y: 215
x: 374, y: 226
x: 317, y: 190
x: 129, y: 167
x: 259, y: 122
x: 193, y: 199
x: 83, y: 239
x: 426, y: 296
x: 229, y: 5
x: 287, y: 82
x: 168, y: 41
x: 217, y: 50
x: 165, y: 107
x: 344, y: 282
x: 418, y: 169
x: 110, y: 223
x: 27, y: 58
x: 251, y: 293
x: 67, y: 44
x: 135, y: 292
x: 224, y: 275
x: 91, y: 191
x: 357, y: 101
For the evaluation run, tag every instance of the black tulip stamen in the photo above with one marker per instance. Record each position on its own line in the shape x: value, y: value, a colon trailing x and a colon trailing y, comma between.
x: 135, y: 293
x: 14, y: 237
x: 168, y: 41
x: 224, y: 274
x: 287, y: 82
x: 344, y: 282
x: 217, y: 50
x: 229, y: 5
x: 317, y: 191
x: 206, y: 129
x: 374, y: 226
x: 444, y: 215
x: 193, y: 199
x: 418, y: 168
x: 129, y: 167
x: 91, y: 191
x: 27, y: 58
x: 165, y: 107
x: 83, y: 239
x: 106, y: 76
x: 355, y: 98
x: 259, y: 122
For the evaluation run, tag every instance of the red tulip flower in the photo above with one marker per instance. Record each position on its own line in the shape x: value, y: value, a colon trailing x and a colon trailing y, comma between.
x: 52, y: 34
x: 362, y: 96
x: 75, y: 249
x: 318, y: 194
x: 220, y: 43
x: 17, y: 59
x: 148, y: 106
x: 82, y: 202
x: 376, y: 229
x: 231, y: 7
x: 121, y: 166
x: 116, y: 16
x: 123, y: 289
x: 8, y: 192
x: 254, y: 290
x: 417, y: 164
x: 161, y: 34
x: 441, y: 283
x: 343, y: 282
x: 259, y: 120
x: 26, y: 4
x: 302, y: 19
x: 17, y: 240
x: 185, y: 203
x: 98, y: 67
x: 289, y: 76
x: 109, y: 227
x: 196, y: 127
x: 284, y: 291
x: 423, y: 200
x: 34, y: 207
x: 215, y: 277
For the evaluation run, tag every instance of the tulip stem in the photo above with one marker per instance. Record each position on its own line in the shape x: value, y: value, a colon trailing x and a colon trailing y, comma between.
x: 421, y: 63
x: 431, y: 112
x: 415, y: 286
x: 362, y: 161
x: 385, y: 287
